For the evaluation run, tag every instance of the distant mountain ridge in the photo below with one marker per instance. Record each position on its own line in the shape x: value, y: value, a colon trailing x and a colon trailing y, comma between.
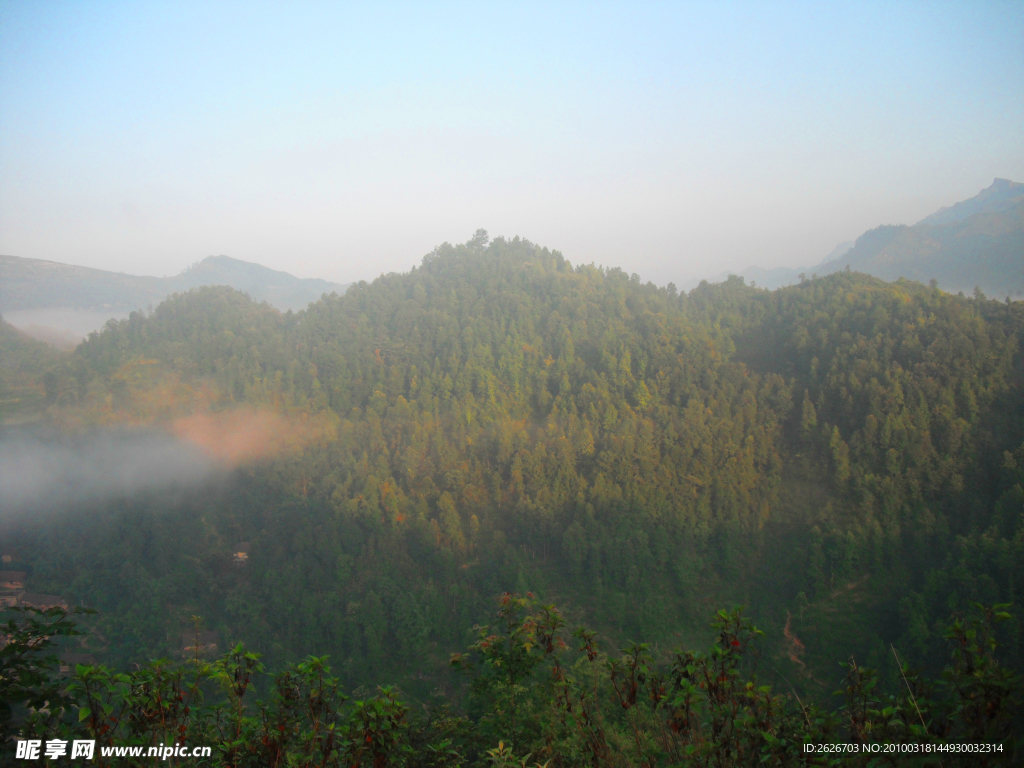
x: 36, y: 283
x: 1003, y: 195
x: 28, y: 284
x: 839, y: 251
x: 977, y: 243
x: 974, y: 243
x: 279, y: 289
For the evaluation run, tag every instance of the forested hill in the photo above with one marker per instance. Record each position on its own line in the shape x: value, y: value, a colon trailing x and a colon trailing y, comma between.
x: 845, y: 456
x: 23, y: 362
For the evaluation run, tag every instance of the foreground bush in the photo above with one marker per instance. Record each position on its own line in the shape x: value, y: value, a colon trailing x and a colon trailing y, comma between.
x: 538, y: 695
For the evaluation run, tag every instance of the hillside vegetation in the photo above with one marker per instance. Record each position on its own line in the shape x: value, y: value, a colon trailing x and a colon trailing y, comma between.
x: 845, y: 456
x: 23, y: 364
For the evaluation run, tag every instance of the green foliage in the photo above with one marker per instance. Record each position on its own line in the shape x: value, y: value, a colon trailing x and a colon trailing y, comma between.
x: 26, y: 385
x: 844, y: 452
x: 584, y: 707
x: 28, y: 663
x: 543, y: 696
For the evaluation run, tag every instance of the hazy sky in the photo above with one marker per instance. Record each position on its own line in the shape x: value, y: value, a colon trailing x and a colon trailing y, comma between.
x: 342, y: 141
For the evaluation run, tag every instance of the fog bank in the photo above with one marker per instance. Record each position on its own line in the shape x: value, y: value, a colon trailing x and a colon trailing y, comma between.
x: 39, y: 472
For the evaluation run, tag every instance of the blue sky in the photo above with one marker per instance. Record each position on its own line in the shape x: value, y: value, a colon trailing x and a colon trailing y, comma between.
x: 673, y: 140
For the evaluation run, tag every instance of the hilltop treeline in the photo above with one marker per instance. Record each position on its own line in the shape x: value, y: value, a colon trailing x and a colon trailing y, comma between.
x: 845, y: 456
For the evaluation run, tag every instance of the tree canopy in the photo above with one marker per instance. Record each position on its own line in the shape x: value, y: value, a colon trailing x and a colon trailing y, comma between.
x: 844, y: 456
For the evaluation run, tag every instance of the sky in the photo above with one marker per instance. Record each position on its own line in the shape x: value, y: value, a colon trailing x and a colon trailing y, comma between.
x: 343, y: 141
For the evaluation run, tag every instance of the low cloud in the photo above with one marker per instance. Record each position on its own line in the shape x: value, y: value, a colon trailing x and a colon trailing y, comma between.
x: 42, y: 472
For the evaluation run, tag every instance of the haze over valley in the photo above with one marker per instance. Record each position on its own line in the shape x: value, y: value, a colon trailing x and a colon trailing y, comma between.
x: 61, y: 303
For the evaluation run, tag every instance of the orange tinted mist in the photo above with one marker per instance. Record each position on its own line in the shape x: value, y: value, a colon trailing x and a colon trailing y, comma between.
x: 244, y: 434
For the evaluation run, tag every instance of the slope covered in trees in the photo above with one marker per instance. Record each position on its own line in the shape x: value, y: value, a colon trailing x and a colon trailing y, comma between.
x: 23, y: 364
x: 844, y: 456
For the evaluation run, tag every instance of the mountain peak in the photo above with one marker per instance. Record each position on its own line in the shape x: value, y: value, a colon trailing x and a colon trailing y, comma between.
x: 1002, y: 195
